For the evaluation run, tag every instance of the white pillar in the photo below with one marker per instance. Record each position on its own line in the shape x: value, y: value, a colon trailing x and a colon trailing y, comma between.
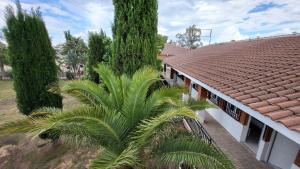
x: 245, y: 131
x: 264, y: 147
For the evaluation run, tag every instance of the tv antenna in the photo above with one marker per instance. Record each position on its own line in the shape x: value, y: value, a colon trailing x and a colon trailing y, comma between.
x: 209, y: 35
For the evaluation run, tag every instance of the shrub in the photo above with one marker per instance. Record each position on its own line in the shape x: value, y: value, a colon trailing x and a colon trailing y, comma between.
x: 97, y: 51
x: 32, y: 59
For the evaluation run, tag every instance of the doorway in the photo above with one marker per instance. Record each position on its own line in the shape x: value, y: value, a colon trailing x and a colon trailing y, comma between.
x: 254, y: 133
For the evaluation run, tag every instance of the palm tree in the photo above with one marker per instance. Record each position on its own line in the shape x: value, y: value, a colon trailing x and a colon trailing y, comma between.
x: 131, y: 124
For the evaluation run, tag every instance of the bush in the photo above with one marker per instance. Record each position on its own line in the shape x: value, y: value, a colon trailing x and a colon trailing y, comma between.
x: 99, y: 49
x: 32, y: 59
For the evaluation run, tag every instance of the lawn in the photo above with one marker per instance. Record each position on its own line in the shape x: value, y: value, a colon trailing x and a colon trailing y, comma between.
x: 8, y: 107
x: 20, y: 151
x: 6, y: 90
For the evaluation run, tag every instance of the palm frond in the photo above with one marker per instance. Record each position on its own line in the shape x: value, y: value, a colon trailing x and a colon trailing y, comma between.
x: 112, y: 83
x: 197, y: 104
x: 110, y: 160
x: 136, y: 95
x: 44, y: 112
x: 19, y: 126
x: 88, y: 92
x: 160, y: 100
x: 125, y: 83
x: 193, y: 152
x: 149, y: 127
x: 88, y: 123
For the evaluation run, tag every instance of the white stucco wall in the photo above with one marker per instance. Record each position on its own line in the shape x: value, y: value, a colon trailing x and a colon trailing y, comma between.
x: 179, y: 81
x: 235, y: 128
x: 194, y: 93
x: 284, y: 152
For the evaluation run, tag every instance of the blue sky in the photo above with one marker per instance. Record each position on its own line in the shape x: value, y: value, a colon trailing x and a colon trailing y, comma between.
x: 229, y: 19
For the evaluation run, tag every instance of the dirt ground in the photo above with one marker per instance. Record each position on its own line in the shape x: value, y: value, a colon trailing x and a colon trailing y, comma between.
x: 20, y: 151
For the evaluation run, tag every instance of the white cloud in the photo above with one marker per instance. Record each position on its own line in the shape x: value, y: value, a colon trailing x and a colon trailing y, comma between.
x: 100, y: 16
x: 229, y: 19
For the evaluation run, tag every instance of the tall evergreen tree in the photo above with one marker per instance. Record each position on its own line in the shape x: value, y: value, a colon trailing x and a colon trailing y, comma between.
x: 134, y: 35
x: 32, y: 59
x: 99, y: 47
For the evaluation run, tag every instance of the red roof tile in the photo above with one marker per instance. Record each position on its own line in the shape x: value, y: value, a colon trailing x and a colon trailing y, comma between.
x: 279, y: 114
x: 263, y: 74
x: 269, y: 108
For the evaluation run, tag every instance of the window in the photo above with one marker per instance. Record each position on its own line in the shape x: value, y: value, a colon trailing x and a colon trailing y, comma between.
x: 180, y: 76
x: 214, y: 98
x: 195, y: 86
x: 232, y: 111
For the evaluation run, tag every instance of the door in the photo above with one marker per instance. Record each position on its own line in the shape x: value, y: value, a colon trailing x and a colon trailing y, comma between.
x: 254, y: 134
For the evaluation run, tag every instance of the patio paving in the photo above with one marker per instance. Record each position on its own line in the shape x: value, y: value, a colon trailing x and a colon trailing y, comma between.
x: 239, y: 153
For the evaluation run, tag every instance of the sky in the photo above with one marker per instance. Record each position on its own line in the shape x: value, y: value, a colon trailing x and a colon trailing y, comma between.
x: 228, y: 19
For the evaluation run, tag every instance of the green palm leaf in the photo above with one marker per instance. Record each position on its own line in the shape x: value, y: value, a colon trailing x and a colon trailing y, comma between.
x: 192, y: 151
x: 148, y: 128
x: 112, y: 83
x: 88, y: 92
x: 110, y: 160
x: 25, y: 124
x: 159, y: 101
x: 136, y: 95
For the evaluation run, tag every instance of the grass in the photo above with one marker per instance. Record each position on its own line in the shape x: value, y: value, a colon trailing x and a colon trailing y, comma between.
x: 8, y: 107
x: 6, y: 90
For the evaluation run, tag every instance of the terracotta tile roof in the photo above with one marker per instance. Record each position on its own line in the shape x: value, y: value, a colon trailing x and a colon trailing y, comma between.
x: 263, y: 74
x: 172, y: 50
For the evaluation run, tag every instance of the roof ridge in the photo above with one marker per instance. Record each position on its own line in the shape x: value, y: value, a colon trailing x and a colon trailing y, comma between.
x: 257, y: 39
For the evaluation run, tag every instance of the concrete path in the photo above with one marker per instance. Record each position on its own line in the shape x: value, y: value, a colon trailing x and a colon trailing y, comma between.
x: 239, y: 153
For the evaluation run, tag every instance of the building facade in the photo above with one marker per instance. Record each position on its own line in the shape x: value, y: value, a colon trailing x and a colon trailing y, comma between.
x: 255, y: 85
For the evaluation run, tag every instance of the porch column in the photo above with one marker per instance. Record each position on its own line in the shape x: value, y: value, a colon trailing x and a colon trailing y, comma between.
x: 187, y: 85
x: 187, y: 82
x: 296, y: 164
x: 222, y: 104
x: 202, y: 92
x: 244, y: 117
x: 265, y: 144
x: 244, y: 120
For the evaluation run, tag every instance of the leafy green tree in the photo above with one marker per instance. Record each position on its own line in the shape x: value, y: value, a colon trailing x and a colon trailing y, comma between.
x: 3, y: 59
x: 99, y: 51
x: 32, y: 59
x: 75, y: 51
x: 134, y: 35
x: 191, y: 38
x: 161, y: 40
x: 128, y: 123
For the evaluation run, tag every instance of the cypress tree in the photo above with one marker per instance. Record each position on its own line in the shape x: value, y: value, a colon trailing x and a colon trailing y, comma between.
x: 32, y: 59
x: 134, y: 35
x: 96, y: 54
